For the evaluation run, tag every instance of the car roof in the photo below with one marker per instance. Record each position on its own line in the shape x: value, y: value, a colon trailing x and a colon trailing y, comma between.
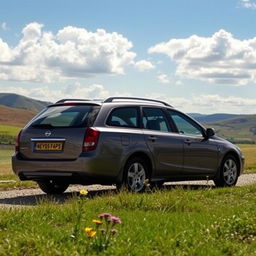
x: 112, y: 100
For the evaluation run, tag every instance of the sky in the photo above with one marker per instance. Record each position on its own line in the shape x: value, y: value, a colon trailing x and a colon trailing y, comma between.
x: 199, y: 56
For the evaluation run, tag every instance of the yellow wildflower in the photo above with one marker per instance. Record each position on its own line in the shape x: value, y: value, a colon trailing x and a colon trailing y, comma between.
x: 84, y: 192
x: 90, y: 232
x: 97, y: 222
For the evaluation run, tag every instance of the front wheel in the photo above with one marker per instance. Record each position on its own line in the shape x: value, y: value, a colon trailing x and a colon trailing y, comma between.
x: 136, y: 173
x: 52, y: 187
x: 229, y: 171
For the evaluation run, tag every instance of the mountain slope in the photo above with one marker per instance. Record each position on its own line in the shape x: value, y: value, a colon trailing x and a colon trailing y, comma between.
x: 14, y: 116
x: 19, y: 101
x: 241, y: 129
x: 212, y: 118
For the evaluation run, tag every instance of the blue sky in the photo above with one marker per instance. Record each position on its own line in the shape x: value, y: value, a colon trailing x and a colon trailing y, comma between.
x: 200, y: 56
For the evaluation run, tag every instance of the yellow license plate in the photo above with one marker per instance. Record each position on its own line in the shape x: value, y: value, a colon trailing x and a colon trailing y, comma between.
x: 49, y: 146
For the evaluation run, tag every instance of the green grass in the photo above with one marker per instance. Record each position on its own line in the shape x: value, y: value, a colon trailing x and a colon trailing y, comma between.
x: 249, y: 152
x: 6, y: 172
x: 175, y: 222
x: 10, y: 129
x: 8, y: 133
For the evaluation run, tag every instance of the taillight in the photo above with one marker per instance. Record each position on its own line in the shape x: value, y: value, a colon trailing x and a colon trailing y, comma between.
x: 17, y: 142
x: 90, y: 139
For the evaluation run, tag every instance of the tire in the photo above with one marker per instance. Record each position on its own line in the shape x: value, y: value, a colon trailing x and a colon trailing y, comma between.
x: 52, y: 187
x: 228, y: 172
x: 136, y: 173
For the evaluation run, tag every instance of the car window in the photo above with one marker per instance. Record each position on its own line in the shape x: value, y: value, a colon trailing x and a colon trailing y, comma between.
x: 185, y: 125
x: 155, y: 119
x: 64, y: 116
x: 124, y: 117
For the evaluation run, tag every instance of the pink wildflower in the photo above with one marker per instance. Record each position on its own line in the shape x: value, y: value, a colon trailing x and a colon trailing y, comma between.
x: 105, y: 215
x: 113, y: 231
x: 114, y: 219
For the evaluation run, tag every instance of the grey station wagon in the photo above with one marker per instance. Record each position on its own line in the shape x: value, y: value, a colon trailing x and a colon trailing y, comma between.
x: 122, y: 141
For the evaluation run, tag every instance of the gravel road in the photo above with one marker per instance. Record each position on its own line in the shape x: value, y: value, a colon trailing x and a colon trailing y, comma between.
x: 31, y: 197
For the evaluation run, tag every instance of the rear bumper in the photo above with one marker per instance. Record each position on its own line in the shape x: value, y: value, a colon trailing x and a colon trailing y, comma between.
x: 83, y: 170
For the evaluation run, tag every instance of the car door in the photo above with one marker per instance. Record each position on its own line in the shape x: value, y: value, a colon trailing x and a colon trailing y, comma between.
x: 200, y: 153
x: 166, y: 146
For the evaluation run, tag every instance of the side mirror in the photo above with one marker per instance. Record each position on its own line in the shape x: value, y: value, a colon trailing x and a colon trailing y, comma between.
x: 210, y: 132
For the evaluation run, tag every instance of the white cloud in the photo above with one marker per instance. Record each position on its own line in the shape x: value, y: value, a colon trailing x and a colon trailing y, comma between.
x: 143, y: 65
x: 179, y: 82
x: 220, y: 59
x: 48, y: 93
x: 210, y: 103
x: 71, y: 52
x: 163, y: 79
x: 249, y: 4
x: 4, y: 26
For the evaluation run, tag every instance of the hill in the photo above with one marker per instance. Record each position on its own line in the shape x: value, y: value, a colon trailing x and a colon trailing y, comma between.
x: 15, y: 116
x: 22, y: 102
x: 212, y: 118
x: 241, y: 129
x: 11, y: 121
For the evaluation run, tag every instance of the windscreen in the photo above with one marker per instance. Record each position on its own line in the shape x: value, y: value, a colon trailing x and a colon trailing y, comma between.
x: 65, y: 116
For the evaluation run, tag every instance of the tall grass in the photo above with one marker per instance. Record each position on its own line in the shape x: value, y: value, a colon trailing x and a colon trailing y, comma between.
x: 175, y: 222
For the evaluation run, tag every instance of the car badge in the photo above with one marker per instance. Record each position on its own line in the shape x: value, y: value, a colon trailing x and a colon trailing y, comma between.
x: 47, y: 133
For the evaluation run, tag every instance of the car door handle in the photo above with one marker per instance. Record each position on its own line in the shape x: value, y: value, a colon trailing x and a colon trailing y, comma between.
x: 152, y: 138
x: 188, y: 142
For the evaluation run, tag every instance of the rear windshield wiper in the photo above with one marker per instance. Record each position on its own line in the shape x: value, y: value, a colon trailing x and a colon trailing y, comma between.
x: 42, y: 126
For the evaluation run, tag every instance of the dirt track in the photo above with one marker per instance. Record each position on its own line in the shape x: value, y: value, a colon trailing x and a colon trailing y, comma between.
x: 31, y: 197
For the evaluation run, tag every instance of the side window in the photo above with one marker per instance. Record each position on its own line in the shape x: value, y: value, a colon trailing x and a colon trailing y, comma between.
x: 185, y: 125
x: 155, y: 119
x: 123, y: 117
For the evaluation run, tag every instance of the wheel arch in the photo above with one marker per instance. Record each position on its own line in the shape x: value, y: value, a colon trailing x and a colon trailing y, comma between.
x: 139, y: 154
x: 235, y: 155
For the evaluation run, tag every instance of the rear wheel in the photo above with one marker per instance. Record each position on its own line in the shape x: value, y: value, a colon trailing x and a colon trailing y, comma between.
x: 136, y: 173
x: 229, y: 171
x: 52, y: 186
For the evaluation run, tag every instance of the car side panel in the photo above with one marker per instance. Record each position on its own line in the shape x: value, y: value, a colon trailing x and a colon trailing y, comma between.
x: 115, y: 146
x: 200, y: 156
x: 167, y: 149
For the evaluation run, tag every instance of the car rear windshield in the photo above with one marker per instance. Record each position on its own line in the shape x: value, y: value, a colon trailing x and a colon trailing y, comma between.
x: 66, y: 116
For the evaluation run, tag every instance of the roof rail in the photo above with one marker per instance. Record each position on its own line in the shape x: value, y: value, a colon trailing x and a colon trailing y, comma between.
x: 64, y: 100
x: 111, y: 99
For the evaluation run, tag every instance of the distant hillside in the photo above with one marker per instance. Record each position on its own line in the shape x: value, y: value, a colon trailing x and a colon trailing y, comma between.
x: 241, y: 129
x: 14, y: 116
x: 22, y: 102
x: 212, y: 118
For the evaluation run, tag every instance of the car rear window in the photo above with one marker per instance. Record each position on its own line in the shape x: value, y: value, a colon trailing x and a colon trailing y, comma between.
x: 66, y: 116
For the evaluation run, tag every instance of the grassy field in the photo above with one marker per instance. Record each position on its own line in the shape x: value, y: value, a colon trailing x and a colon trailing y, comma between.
x: 8, y: 133
x: 249, y: 152
x: 9, y: 129
x: 172, y: 222
x: 7, y: 174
